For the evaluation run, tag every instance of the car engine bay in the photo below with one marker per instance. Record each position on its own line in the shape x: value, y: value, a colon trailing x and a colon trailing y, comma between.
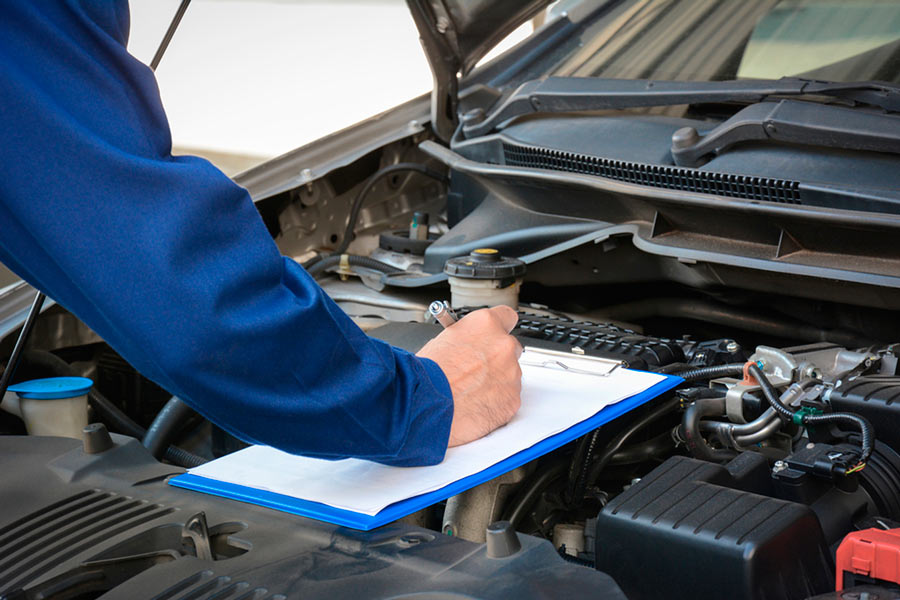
x: 781, y: 441
x: 766, y: 276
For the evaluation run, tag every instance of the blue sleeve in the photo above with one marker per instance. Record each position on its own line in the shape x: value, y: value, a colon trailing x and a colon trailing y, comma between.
x: 169, y: 261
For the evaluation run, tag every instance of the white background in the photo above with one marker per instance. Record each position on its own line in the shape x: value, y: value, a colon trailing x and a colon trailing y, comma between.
x: 245, y: 80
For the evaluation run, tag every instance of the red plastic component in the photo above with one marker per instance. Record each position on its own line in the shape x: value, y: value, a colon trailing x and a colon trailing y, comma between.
x: 872, y: 553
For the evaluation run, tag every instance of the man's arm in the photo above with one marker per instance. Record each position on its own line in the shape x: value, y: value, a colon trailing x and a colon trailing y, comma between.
x: 169, y: 261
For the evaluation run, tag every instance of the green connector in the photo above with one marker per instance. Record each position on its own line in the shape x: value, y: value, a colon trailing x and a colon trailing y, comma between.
x: 806, y: 410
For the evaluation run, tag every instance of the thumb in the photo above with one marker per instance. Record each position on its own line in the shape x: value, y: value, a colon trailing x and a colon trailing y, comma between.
x: 505, y: 316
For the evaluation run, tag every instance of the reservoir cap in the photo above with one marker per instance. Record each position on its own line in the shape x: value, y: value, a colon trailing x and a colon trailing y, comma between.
x: 52, y: 388
x: 485, y: 263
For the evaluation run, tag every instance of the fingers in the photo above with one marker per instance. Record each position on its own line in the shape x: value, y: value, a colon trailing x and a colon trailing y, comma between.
x: 506, y: 316
x: 514, y: 346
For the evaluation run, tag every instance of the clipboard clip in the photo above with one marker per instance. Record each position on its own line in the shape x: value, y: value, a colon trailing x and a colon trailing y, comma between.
x: 554, y: 359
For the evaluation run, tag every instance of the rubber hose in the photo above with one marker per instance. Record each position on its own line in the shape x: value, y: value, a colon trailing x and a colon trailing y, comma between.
x: 356, y: 261
x: 575, y: 560
x: 710, y: 372
x: 166, y: 426
x: 526, y: 497
x: 770, y: 392
x: 644, y: 451
x: 581, y: 459
x: 183, y: 458
x: 113, y: 415
x: 314, y: 260
x: 697, y: 446
x: 618, y: 442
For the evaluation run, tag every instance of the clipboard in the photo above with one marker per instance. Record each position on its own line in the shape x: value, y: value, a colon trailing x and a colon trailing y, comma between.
x: 323, y: 512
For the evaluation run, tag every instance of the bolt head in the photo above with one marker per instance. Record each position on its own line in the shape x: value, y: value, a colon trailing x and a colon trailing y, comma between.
x: 732, y: 346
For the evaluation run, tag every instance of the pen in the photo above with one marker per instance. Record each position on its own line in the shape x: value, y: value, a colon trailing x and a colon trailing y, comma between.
x: 442, y: 313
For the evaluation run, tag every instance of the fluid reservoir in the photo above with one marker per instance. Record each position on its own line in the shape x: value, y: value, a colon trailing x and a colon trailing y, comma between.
x: 484, y: 278
x: 55, y: 406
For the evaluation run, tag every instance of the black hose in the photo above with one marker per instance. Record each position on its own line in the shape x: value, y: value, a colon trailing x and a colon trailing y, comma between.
x: 528, y: 495
x: 574, y: 559
x: 581, y: 458
x: 616, y: 444
x: 183, y: 458
x: 644, y: 451
x: 114, y: 416
x: 690, y: 426
x: 17, y: 350
x: 166, y: 426
x: 770, y: 393
x: 584, y: 455
x: 312, y: 261
x: 711, y: 372
x: 367, y: 187
x: 356, y: 261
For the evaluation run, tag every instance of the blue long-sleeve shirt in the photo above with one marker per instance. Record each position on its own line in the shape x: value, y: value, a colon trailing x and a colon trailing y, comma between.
x: 168, y: 260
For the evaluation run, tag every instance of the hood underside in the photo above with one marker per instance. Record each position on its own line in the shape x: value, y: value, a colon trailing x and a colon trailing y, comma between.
x: 455, y: 34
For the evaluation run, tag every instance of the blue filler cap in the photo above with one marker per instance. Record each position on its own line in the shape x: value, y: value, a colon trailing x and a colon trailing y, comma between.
x: 52, y: 388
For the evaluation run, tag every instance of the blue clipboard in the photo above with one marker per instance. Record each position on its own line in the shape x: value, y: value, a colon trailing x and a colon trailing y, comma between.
x: 354, y: 520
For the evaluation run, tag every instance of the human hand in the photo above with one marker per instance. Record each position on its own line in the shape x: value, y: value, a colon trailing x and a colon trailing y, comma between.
x: 480, y: 360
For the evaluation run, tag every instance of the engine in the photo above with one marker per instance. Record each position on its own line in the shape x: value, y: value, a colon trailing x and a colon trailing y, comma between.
x: 763, y: 475
x: 740, y: 485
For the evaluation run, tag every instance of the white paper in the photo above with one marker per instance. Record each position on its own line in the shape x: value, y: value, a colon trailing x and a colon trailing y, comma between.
x: 553, y: 400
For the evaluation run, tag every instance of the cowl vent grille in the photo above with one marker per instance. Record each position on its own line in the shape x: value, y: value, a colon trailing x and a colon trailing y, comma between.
x: 669, y: 177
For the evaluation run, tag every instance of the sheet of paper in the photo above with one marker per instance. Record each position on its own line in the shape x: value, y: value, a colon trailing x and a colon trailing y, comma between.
x: 553, y: 399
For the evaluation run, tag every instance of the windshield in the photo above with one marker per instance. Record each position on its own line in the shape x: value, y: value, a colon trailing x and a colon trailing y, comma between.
x: 707, y: 40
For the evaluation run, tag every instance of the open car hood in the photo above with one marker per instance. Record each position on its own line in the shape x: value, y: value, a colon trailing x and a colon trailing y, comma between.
x: 455, y: 34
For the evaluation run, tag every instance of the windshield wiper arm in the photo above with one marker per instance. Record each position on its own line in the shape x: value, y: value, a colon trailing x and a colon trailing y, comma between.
x: 575, y: 94
x: 789, y: 121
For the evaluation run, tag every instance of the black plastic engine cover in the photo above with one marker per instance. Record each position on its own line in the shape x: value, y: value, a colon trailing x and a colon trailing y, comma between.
x: 876, y: 397
x: 687, y: 530
x: 75, y: 526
